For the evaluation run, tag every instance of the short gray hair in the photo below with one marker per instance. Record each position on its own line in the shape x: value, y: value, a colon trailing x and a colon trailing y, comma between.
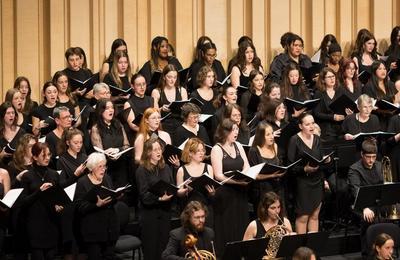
x: 57, y: 111
x: 94, y: 159
x: 99, y: 86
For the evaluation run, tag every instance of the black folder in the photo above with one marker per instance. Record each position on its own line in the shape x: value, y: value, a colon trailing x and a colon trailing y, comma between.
x: 311, y: 72
x: 296, y: 104
x: 200, y: 183
x: 341, y: 103
x: 380, y: 135
x: 161, y: 187
x: 138, y: 119
x: 55, y: 195
x: 155, y: 78
x: 183, y: 75
x: 387, y: 106
x: 170, y: 150
x: 287, y: 132
x: 104, y: 192
x: 75, y: 84
x: 271, y: 168
x: 364, y: 76
x: 9, y: 149
x: 253, y: 103
x: 224, y: 81
x: 176, y: 106
x: 314, y: 162
x: 116, y: 91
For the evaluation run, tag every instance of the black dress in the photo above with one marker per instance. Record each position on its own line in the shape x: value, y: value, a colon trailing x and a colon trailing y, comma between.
x: 174, y: 120
x: 96, y: 225
x: 259, y: 187
x: 330, y: 129
x: 181, y: 134
x: 194, y: 70
x: 309, y: 187
x: 230, y: 208
x: 207, y: 107
x: 356, y: 91
x: 371, y: 90
x: 260, y: 229
x: 53, y: 141
x: 42, y: 221
x: 13, y: 144
x: 351, y: 124
x: 155, y: 215
x: 147, y: 72
x: 67, y: 165
x: 249, y: 103
x: 45, y: 113
x: 113, y: 137
x: 138, y: 105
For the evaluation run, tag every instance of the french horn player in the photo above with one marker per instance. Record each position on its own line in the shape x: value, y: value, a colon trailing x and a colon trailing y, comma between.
x: 270, y: 222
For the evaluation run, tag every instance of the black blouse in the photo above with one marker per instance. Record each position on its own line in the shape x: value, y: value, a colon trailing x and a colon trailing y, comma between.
x: 352, y: 126
x: 68, y: 164
x: 181, y: 134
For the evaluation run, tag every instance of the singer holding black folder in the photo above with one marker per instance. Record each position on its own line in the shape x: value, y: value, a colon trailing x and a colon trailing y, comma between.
x: 361, y: 122
x: 158, y: 61
x: 169, y: 90
x: 264, y: 149
x: 96, y: 217
x: 109, y: 135
x: 42, y: 124
x: 138, y: 103
x: 14, y: 96
x: 309, y: 179
x: 293, y: 87
x: 380, y: 87
x: 119, y: 76
x: 193, y: 155
x: 155, y: 211
x: 24, y: 86
x: 65, y: 97
x: 251, y: 98
x: 41, y: 218
x: 328, y: 91
x: 230, y: 208
x: 347, y: 78
x: 204, y: 91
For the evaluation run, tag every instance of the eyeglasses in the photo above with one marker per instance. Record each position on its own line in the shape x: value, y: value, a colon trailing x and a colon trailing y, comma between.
x: 155, y: 118
x: 330, y: 77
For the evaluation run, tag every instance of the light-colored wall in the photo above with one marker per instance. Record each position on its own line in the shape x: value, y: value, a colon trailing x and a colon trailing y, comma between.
x: 35, y: 33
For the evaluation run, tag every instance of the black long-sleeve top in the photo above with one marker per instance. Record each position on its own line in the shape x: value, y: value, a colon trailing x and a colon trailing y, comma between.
x: 360, y: 176
x: 281, y: 61
x: 68, y: 164
x: 181, y: 134
x: 330, y: 129
x: 145, y: 179
x: 352, y: 126
x: 96, y: 224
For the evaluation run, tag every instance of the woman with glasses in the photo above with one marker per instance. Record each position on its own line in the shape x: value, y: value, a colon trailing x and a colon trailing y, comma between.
x: 150, y: 126
x: 190, y: 127
x: 328, y: 91
x: 41, y: 216
x: 136, y: 105
x: 109, y: 135
x: 155, y: 210
x: 97, y: 220
x: 208, y: 57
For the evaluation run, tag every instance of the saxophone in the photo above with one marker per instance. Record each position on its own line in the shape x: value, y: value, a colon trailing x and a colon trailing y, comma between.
x: 193, y: 253
x: 275, y: 235
x: 387, y: 178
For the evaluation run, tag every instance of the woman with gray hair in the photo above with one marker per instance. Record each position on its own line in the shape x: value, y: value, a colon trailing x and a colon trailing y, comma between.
x: 98, y: 221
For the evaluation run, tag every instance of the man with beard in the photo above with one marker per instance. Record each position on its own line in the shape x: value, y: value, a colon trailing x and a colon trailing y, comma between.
x: 193, y: 223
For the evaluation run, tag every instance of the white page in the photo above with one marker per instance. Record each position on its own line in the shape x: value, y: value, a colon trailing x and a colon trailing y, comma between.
x: 11, y: 196
x: 70, y: 191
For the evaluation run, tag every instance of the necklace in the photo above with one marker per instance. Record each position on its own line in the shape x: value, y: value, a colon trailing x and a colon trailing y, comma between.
x: 41, y: 175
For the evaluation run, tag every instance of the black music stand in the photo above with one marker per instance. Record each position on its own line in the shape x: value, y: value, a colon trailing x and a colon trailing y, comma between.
x: 289, y: 244
x: 249, y: 249
x: 377, y: 196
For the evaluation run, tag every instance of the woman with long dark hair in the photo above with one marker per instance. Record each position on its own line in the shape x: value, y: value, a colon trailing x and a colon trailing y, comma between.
x: 109, y: 135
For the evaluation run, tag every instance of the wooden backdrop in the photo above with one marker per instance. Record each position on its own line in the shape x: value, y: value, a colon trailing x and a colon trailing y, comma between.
x: 35, y: 33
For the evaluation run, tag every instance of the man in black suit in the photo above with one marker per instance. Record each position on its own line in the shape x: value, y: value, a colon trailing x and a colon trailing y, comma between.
x: 193, y: 223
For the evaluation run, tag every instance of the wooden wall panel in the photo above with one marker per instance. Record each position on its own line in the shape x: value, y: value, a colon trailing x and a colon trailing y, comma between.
x: 34, y: 34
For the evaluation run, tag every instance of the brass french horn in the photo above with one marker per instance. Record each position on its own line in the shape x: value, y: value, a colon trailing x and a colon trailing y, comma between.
x: 193, y: 253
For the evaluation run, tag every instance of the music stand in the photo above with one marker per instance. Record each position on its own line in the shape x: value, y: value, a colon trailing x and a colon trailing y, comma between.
x: 248, y: 249
x: 289, y: 244
x: 377, y: 196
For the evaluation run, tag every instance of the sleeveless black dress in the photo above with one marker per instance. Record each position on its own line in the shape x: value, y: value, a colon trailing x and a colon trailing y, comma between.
x: 174, y: 120
x: 230, y: 208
